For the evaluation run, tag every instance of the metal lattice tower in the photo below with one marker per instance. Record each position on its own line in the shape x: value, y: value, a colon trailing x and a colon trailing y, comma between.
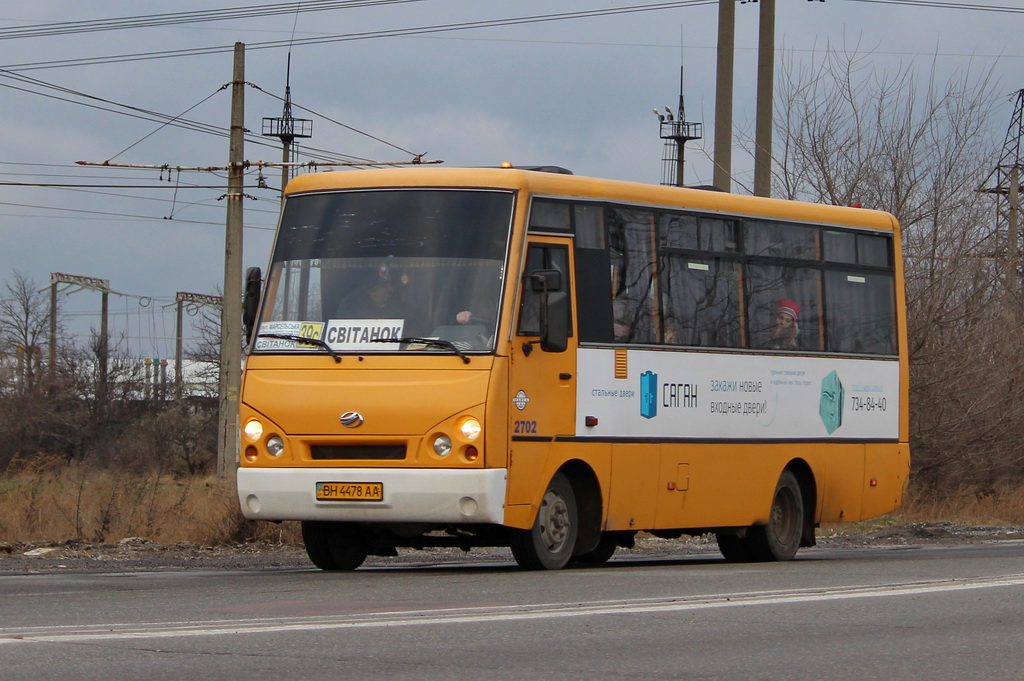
x: 1005, y: 182
x: 676, y: 131
x: 287, y: 128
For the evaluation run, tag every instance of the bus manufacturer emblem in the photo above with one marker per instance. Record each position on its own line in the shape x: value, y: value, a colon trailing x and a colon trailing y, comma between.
x: 520, y: 400
x: 351, y: 419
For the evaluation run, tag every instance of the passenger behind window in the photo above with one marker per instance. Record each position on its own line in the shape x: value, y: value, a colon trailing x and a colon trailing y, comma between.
x: 785, y: 329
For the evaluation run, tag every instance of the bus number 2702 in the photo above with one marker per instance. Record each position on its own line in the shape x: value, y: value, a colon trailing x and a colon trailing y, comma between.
x: 525, y: 427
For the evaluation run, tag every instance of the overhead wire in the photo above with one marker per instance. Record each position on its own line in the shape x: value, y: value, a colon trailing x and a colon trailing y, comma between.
x: 307, y: 151
x: 364, y: 35
x: 186, y: 17
x: 110, y: 106
x: 257, y: 11
x: 124, y: 216
x: 454, y: 27
x: 943, y: 4
x: 63, y: 28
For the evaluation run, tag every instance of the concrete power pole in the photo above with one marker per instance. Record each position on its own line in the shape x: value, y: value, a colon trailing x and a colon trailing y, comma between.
x: 765, y: 99
x: 722, y: 177
x: 231, y: 310
x: 765, y: 96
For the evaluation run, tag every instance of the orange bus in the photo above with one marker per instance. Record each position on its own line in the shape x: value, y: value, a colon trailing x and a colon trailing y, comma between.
x: 553, y: 363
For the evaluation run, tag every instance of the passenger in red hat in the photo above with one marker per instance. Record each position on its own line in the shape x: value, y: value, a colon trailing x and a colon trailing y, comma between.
x: 785, y: 329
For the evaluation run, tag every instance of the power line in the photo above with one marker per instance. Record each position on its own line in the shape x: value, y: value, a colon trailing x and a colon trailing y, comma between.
x: 188, y: 17
x: 177, y: 121
x: 343, y: 125
x: 365, y: 35
x: 940, y: 4
x: 62, y: 185
x: 444, y: 28
x: 123, y: 216
x: 257, y: 11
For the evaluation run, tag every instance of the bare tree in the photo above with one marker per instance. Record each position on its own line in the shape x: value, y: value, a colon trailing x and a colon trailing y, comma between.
x: 918, y: 148
x: 24, y: 325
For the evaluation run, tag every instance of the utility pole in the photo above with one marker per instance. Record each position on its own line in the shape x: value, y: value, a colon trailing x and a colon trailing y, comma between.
x: 231, y: 309
x: 51, y: 368
x: 765, y: 99
x: 723, y: 94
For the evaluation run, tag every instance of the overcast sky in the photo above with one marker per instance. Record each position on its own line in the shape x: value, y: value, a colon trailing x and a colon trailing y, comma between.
x: 576, y: 92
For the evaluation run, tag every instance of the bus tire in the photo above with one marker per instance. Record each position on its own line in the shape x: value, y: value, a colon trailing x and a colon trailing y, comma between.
x: 548, y: 545
x: 780, y: 538
x: 735, y: 548
x: 330, y: 548
x: 601, y: 553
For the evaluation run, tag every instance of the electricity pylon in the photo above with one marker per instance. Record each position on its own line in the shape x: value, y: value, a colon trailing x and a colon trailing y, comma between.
x: 1005, y: 182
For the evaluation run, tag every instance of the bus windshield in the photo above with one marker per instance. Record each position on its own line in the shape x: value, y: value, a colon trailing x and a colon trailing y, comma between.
x: 387, y: 271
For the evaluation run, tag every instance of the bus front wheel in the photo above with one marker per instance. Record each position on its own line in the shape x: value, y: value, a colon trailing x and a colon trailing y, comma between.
x: 548, y: 545
x: 780, y: 538
x: 329, y: 547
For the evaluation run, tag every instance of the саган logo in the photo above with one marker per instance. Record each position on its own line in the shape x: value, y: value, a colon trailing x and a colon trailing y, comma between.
x: 648, y: 394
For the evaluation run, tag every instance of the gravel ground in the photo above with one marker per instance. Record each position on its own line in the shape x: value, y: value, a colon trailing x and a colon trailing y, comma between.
x: 138, y: 554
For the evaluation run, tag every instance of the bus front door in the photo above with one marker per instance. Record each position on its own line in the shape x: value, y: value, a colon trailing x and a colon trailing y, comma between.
x: 542, y: 382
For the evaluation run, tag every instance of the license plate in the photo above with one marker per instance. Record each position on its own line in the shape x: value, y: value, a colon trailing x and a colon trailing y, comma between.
x: 350, y: 491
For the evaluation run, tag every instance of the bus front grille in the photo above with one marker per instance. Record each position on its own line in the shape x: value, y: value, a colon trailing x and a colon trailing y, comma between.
x: 391, y: 452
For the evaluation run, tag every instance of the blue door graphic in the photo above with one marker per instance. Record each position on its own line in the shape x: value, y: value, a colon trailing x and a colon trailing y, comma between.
x: 648, y: 394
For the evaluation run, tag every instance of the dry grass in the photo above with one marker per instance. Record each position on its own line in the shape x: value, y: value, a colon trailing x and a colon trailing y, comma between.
x: 51, y: 500
x: 993, y: 506
x: 998, y: 507
x: 47, y: 500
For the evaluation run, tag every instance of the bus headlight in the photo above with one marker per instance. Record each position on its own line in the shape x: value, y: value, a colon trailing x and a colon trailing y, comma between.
x: 442, y: 445
x: 253, y: 430
x: 275, y: 446
x: 470, y: 428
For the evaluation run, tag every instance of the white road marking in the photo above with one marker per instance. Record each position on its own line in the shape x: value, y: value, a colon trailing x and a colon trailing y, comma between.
x: 511, y: 613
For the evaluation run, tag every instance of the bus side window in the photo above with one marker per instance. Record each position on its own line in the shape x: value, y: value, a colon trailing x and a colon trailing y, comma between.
x: 702, y: 302
x: 860, y: 305
x: 783, y: 289
x: 780, y: 240
x: 701, y: 290
x: 861, y: 312
x: 631, y: 246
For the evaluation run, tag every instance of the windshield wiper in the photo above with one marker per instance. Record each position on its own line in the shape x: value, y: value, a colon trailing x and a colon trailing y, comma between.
x: 436, y: 342
x: 302, y: 339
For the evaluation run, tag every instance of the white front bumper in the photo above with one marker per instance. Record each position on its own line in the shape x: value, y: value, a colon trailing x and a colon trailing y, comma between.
x: 410, y: 495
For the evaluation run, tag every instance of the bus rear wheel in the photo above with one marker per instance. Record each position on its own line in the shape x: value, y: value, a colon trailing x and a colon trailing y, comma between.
x: 330, y: 547
x: 548, y: 545
x: 780, y: 538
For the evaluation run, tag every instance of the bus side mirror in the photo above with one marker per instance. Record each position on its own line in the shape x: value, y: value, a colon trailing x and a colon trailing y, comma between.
x: 554, y: 310
x: 554, y: 325
x: 543, y: 281
x: 251, y: 300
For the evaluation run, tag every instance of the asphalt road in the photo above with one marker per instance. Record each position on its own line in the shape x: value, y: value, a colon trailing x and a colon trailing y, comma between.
x: 896, y: 612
